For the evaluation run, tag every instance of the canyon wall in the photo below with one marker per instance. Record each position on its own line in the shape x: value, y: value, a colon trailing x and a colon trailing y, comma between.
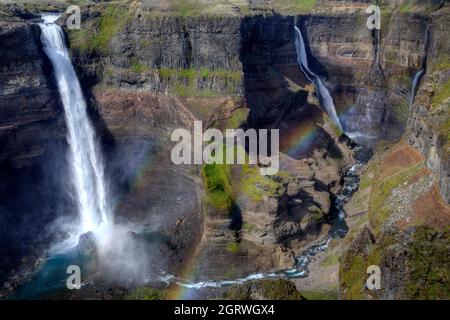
x: 369, y: 72
x: 400, y: 215
x: 32, y: 139
x: 428, y: 126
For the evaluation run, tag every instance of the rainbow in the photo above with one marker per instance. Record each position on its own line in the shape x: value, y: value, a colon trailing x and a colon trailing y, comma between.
x: 300, y: 139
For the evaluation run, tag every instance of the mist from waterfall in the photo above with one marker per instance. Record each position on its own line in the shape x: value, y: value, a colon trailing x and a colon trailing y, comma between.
x: 322, y: 91
x: 85, y: 161
x: 414, y: 85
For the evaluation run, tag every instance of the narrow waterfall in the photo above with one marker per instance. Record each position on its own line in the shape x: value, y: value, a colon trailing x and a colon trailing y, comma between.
x: 86, y: 165
x: 322, y: 91
x: 415, y: 83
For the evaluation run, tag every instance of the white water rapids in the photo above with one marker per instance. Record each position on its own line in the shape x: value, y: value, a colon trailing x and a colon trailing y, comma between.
x: 86, y: 165
x: 322, y: 91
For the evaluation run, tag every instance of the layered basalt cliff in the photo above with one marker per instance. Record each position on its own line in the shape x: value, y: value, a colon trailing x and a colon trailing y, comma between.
x: 369, y: 72
x: 184, y: 56
x: 32, y: 136
x: 428, y: 126
x: 400, y: 216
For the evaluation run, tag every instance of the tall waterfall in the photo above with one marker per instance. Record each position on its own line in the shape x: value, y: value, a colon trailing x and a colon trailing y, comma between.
x: 415, y: 82
x: 86, y: 165
x: 322, y: 91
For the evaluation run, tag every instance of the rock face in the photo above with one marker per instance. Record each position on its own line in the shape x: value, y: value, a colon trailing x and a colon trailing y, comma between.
x: 428, y: 126
x: 87, y: 245
x: 160, y: 53
x: 264, y: 290
x: 369, y: 73
x: 403, y: 232
x: 28, y: 97
x: 400, y: 215
x: 32, y: 139
x: 153, y: 192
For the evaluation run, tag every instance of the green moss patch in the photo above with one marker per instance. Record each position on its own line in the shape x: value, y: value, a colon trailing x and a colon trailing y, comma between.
x: 429, y: 265
x: 233, y: 247
x: 138, y: 67
x: 294, y: 6
x: 330, y: 259
x: 441, y: 63
x: 320, y: 295
x: 442, y: 93
x: 444, y: 132
x: 279, y: 289
x: 257, y: 186
x: 217, y: 178
x: 248, y: 227
x: 401, y: 111
x: 145, y: 293
x: 187, y: 8
x: 238, y: 118
x: 382, y: 189
x: 183, y: 82
x: 352, y: 275
x: 96, y: 35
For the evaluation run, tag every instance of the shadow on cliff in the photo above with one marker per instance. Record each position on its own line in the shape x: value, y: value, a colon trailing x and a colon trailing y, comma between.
x: 315, y: 65
x: 274, y: 84
x: 35, y: 199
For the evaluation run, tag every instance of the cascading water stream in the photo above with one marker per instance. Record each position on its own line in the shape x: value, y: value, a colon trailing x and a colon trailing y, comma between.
x: 415, y: 83
x: 322, y: 91
x: 86, y: 165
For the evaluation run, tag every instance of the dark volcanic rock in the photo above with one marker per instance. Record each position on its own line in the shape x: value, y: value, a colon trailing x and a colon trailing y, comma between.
x: 16, y: 11
x: 428, y: 126
x: 32, y: 140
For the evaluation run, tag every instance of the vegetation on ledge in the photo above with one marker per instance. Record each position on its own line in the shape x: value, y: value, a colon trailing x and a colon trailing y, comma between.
x: 429, y: 265
x: 294, y: 6
x: 145, y: 293
x: 96, y: 34
x: 217, y: 179
x: 279, y: 289
x: 257, y: 186
x: 382, y: 189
